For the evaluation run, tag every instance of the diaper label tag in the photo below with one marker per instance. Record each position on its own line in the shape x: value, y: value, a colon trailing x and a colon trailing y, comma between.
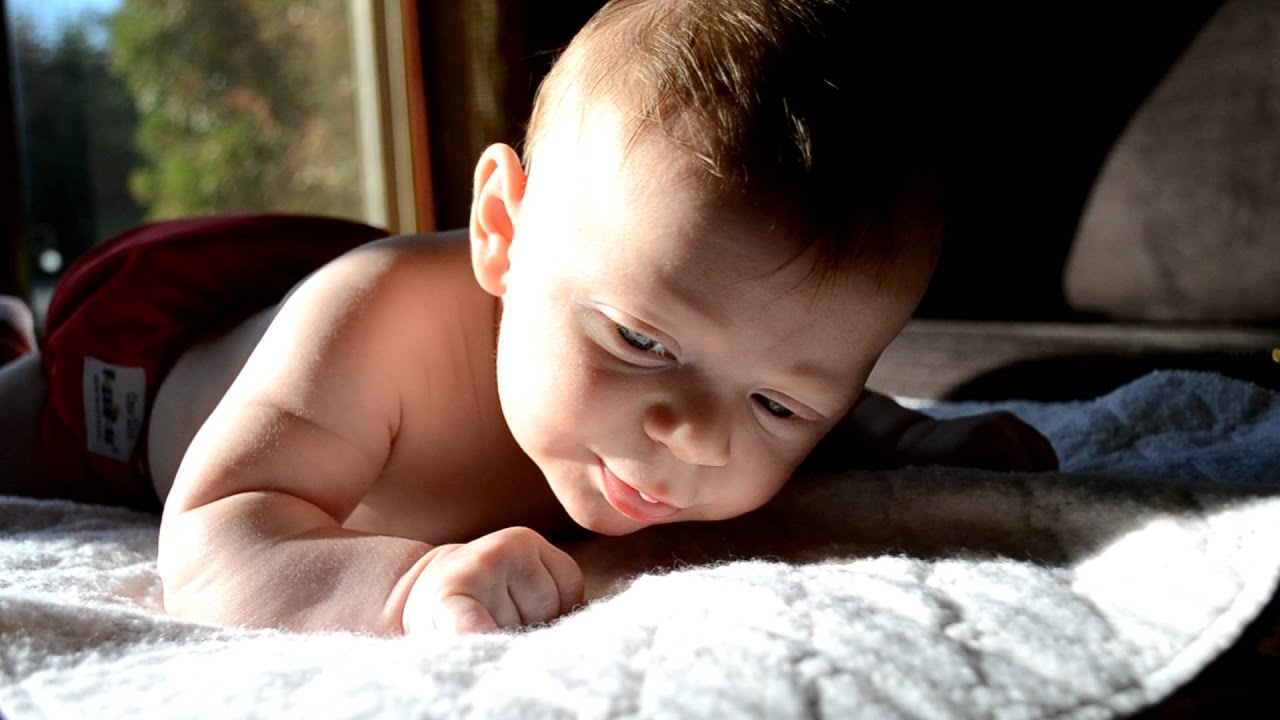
x: 115, y: 404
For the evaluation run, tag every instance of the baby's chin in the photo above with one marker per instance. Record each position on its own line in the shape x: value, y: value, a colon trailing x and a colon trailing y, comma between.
x: 606, y: 521
x: 597, y: 516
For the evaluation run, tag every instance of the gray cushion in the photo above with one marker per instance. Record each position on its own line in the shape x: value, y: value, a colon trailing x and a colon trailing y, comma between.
x: 1184, y: 220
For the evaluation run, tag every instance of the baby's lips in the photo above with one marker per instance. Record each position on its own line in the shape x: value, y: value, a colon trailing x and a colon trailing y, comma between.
x: 631, y: 502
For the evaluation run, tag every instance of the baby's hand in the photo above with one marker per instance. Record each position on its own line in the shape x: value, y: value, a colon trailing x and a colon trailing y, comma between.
x: 994, y: 441
x: 505, y: 579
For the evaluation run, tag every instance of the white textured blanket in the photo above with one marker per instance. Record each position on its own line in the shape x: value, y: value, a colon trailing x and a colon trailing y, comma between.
x: 1087, y: 593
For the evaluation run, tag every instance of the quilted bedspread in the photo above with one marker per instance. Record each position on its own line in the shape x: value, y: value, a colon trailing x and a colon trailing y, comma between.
x: 1086, y: 593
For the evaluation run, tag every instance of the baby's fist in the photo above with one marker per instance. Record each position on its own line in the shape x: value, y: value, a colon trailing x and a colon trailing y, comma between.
x: 505, y: 579
x: 994, y: 441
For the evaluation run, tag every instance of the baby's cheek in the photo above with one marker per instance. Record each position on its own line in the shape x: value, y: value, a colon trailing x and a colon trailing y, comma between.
x: 554, y: 398
x: 739, y: 498
x: 773, y: 477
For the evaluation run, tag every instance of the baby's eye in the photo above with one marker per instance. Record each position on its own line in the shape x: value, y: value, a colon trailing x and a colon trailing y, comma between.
x: 773, y: 407
x: 640, y: 341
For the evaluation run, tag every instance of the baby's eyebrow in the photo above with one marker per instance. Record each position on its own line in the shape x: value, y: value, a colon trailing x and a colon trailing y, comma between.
x: 821, y: 389
x: 816, y: 374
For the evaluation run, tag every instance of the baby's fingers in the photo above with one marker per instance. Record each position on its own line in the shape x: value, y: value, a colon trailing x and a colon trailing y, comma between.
x: 565, y: 574
x: 1028, y: 450
x: 462, y: 615
x: 1042, y: 452
x: 547, y: 587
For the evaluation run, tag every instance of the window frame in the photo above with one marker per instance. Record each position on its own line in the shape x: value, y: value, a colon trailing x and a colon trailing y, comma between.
x: 13, y: 245
x: 391, y: 101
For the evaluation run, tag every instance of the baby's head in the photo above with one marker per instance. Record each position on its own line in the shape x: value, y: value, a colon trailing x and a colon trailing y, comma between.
x: 720, y: 222
x: 785, y: 106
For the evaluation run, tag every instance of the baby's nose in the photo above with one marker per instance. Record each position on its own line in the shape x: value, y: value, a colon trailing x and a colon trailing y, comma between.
x: 696, y: 436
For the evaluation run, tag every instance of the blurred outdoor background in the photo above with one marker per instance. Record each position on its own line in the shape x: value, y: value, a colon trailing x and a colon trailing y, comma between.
x: 136, y: 110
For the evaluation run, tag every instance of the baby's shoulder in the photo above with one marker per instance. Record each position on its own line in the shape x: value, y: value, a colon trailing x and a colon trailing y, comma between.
x: 439, y: 253
x: 403, y: 292
x: 396, y: 270
x: 424, y: 245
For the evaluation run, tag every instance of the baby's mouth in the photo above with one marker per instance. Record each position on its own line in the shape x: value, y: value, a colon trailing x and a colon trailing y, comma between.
x: 631, y: 502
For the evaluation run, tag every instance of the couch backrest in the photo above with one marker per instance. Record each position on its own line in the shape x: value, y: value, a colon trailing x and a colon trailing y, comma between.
x: 1183, y: 223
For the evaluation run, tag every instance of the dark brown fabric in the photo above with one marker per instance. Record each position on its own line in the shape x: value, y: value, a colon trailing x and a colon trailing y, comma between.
x: 482, y: 61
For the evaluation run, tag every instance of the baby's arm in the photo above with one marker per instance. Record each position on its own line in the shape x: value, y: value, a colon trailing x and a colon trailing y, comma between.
x: 879, y: 433
x: 252, y: 531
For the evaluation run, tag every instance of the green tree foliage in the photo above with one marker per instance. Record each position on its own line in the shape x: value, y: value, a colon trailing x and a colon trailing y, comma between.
x: 245, y: 105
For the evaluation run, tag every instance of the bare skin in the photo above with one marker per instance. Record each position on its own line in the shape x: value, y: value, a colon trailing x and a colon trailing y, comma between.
x: 356, y: 458
x: 368, y: 453
x: 377, y: 479
x: 447, y: 482
x: 24, y: 467
x: 230, y: 537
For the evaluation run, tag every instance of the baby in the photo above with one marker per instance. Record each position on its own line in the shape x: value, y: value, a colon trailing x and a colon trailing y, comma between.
x: 655, y: 316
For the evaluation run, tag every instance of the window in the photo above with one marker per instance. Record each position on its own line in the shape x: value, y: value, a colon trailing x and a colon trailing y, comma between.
x: 135, y: 110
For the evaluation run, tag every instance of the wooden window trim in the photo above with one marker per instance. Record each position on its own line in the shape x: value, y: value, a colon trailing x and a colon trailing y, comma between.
x: 420, y: 135
x: 391, y: 102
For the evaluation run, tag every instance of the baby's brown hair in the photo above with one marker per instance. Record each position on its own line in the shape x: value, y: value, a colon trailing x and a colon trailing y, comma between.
x: 816, y: 108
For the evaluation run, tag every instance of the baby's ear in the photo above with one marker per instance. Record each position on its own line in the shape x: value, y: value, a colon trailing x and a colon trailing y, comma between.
x: 499, y: 189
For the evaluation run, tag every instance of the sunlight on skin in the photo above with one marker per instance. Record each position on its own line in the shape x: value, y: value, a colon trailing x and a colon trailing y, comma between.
x: 658, y: 358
